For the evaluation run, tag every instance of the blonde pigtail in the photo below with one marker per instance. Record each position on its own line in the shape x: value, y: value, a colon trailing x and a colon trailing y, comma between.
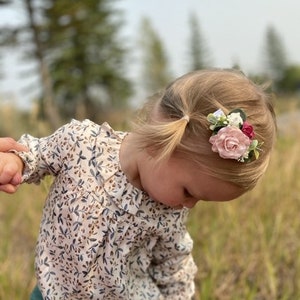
x: 166, y: 136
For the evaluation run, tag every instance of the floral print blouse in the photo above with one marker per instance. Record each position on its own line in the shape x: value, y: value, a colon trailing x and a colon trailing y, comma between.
x: 100, y: 237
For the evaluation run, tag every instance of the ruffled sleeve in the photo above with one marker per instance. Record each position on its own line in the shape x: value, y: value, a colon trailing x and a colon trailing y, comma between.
x: 47, y: 155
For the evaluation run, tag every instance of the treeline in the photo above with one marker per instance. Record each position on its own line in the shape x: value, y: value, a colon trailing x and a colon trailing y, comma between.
x: 83, y: 58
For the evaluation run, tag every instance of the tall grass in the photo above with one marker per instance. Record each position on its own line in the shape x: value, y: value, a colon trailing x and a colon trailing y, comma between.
x: 247, y: 249
x: 19, y: 221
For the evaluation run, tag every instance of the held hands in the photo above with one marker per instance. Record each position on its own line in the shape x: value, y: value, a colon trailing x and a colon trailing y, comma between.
x: 11, y: 166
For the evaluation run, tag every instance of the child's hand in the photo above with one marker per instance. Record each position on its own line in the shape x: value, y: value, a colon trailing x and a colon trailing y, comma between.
x: 11, y: 168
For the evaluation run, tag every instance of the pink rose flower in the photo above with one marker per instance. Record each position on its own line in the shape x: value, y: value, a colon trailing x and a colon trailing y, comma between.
x: 230, y: 142
x: 248, y: 130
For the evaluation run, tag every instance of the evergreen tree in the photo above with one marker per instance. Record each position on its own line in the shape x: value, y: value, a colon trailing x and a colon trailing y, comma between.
x: 290, y: 82
x: 80, y: 55
x: 275, y: 55
x: 26, y: 37
x: 47, y: 104
x: 1, y: 67
x: 86, y: 57
x: 155, y: 64
x: 198, y: 51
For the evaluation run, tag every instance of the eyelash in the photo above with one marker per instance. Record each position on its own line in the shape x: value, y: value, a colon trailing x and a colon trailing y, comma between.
x: 186, y: 193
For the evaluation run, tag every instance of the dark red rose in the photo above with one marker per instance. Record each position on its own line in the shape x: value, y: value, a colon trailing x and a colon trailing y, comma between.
x: 247, y: 129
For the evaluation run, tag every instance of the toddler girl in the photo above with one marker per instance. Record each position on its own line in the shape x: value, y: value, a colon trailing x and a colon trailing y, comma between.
x: 113, y: 225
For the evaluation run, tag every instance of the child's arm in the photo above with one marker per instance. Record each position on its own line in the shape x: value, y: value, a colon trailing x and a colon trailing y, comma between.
x: 173, y: 268
x: 52, y: 154
x: 11, y: 168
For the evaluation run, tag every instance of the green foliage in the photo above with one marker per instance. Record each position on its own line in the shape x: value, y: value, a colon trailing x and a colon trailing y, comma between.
x: 275, y: 54
x: 155, y: 65
x: 86, y: 57
x: 290, y: 82
x: 1, y: 66
x: 198, y: 50
x: 80, y: 55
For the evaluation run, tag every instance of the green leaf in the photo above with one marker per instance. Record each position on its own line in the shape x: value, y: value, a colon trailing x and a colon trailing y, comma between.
x: 211, y: 118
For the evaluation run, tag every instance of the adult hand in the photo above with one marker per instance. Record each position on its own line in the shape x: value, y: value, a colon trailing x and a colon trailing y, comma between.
x: 7, y: 144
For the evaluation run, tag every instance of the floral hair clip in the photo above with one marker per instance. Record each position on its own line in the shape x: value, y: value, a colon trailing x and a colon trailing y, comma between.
x: 233, y: 136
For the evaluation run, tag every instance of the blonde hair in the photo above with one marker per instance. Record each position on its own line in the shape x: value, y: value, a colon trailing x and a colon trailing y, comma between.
x: 174, y: 122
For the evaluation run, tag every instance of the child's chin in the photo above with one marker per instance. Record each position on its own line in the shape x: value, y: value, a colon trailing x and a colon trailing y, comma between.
x: 178, y: 207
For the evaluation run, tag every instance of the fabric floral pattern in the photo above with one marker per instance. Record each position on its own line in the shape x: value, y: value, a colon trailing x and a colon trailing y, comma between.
x: 100, y: 237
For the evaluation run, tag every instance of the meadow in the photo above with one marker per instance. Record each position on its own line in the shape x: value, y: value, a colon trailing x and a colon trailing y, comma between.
x: 246, y: 249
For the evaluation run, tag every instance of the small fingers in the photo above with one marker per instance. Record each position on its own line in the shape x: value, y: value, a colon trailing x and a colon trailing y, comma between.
x: 7, y: 175
x: 16, y: 180
x: 10, y: 169
x: 9, y: 188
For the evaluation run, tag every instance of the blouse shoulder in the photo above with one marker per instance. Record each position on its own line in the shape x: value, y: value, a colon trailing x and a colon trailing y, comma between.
x: 89, y: 130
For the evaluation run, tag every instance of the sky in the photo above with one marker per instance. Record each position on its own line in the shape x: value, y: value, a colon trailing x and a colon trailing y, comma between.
x: 233, y: 30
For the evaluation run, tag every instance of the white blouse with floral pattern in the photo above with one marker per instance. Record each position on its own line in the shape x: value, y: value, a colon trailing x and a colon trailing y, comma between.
x: 100, y: 237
